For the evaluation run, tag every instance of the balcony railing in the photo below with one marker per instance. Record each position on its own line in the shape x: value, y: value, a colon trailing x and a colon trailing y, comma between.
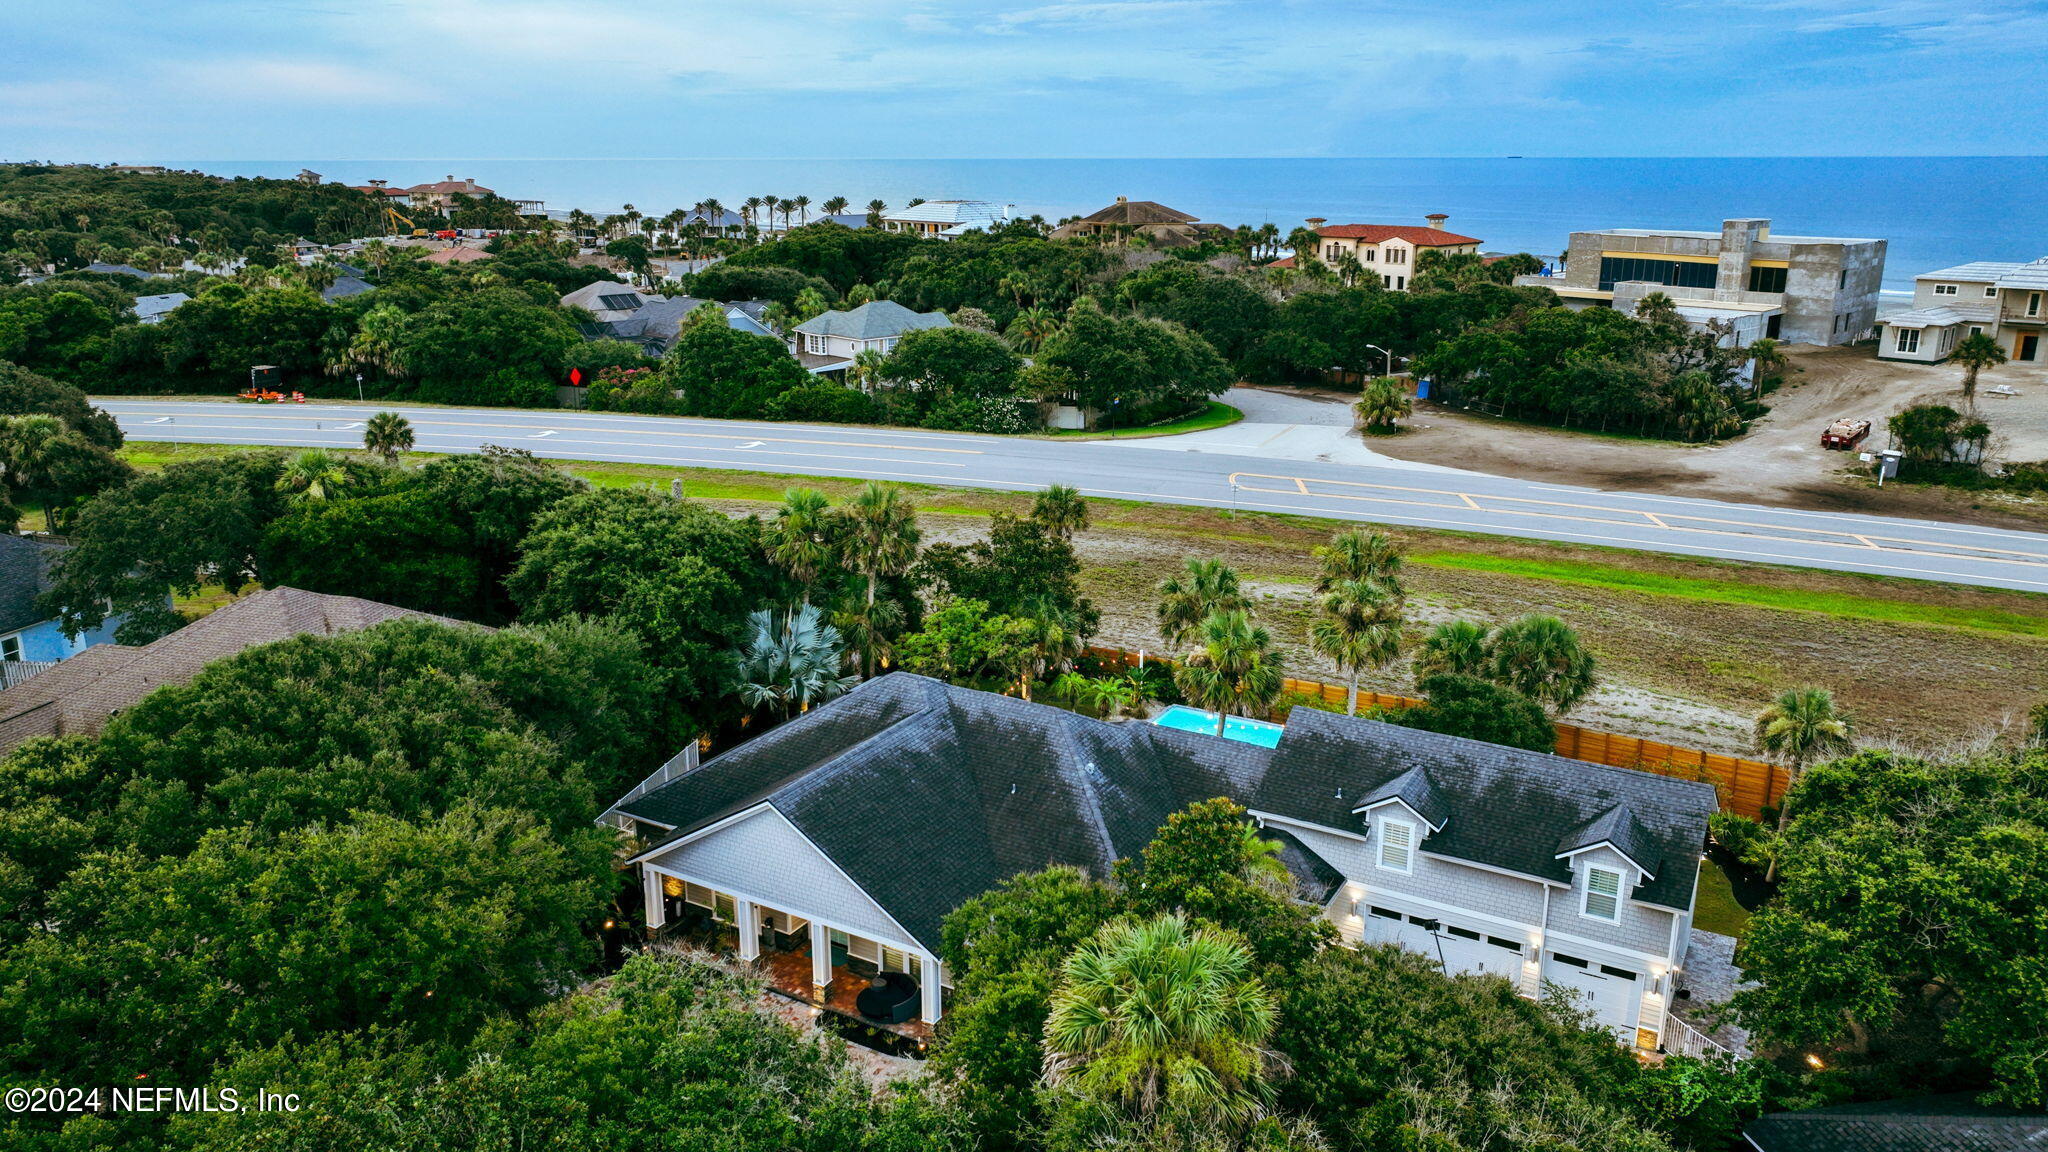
x: 14, y: 672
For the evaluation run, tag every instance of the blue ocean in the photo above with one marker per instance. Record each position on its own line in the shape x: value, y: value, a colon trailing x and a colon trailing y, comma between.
x: 1935, y: 211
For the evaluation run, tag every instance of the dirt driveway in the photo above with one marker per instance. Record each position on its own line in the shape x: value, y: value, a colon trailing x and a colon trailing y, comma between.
x: 1779, y: 461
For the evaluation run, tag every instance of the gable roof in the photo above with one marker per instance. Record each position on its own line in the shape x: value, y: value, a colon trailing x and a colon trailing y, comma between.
x: 2004, y: 274
x: 1420, y: 235
x: 874, y: 320
x: 24, y: 574
x: 1509, y: 807
x: 605, y: 296
x: 986, y: 786
x: 119, y: 270
x: 1953, y: 1122
x: 1616, y: 828
x: 78, y: 695
x: 1413, y: 789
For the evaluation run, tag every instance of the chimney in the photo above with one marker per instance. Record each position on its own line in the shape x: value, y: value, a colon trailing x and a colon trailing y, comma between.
x: 1436, y: 220
x: 1317, y: 222
x: 1123, y: 199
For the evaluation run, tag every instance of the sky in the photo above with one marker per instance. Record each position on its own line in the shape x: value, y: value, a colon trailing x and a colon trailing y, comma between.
x: 123, y: 81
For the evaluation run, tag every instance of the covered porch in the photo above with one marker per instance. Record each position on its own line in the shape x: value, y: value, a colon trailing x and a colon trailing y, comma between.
x: 885, y: 986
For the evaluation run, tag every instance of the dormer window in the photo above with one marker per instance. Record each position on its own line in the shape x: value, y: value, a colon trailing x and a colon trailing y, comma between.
x: 1397, y: 845
x: 1603, y: 894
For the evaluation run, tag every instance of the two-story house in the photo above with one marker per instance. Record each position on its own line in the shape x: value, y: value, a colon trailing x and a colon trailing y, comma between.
x: 945, y: 219
x: 1387, y: 250
x: 833, y: 847
x: 2007, y: 302
x: 829, y: 341
x: 30, y: 637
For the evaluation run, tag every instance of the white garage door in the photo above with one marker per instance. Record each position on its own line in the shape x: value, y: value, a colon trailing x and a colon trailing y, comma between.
x: 1387, y: 926
x: 1614, y: 994
x: 1470, y: 950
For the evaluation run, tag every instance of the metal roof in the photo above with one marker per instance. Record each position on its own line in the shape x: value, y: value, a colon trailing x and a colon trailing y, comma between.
x: 974, y: 212
x: 1941, y: 316
x: 875, y: 320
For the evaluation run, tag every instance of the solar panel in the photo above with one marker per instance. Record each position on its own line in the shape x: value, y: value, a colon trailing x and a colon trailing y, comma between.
x: 620, y: 301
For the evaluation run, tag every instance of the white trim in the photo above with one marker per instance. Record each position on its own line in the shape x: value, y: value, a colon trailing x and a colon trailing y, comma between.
x: 700, y: 833
x: 1387, y: 896
x: 1587, y: 894
x: 1407, y: 848
x: 1617, y: 949
x: 1264, y: 816
x: 1610, y: 846
x: 1425, y: 821
x: 898, y: 945
x: 823, y: 855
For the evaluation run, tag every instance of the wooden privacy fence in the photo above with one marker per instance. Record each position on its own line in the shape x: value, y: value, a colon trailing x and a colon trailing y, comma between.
x: 1746, y: 786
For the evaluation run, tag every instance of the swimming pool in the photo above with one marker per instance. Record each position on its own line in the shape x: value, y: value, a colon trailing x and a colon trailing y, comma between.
x: 1234, y: 728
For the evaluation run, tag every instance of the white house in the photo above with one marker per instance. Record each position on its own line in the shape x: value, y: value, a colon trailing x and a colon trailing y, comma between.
x: 2008, y: 302
x: 948, y: 218
x: 828, y: 342
x: 835, y: 845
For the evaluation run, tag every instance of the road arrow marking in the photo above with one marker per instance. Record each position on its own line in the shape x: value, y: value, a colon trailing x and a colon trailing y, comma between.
x: 353, y: 424
x: 542, y: 435
x: 752, y: 444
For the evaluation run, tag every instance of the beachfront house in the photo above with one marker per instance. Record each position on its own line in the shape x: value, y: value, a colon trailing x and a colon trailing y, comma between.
x: 1799, y: 289
x: 830, y: 849
x: 1387, y: 250
x: 946, y: 219
x: 2007, y: 302
x: 829, y: 341
x: 1161, y: 226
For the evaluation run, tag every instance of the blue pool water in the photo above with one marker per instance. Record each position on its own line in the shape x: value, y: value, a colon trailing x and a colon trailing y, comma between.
x: 1235, y: 728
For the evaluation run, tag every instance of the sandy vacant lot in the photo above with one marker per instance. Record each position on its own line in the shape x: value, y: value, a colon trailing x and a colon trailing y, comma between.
x: 1780, y: 461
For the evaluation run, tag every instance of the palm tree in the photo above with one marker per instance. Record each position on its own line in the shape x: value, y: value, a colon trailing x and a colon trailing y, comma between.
x: 1062, y: 510
x: 1209, y: 586
x: 1382, y: 405
x: 834, y: 206
x: 388, y: 435
x: 803, y: 208
x: 1236, y: 669
x: 1031, y: 328
x: 1768, y: 357
x: 1541, y: 657
x: 800, y: 539
x: 868, y: 366
x: 1454, y: 649
x: 790, y: 663
x: 1050, y: 637
x: 875, y: 210
x: 25, y: 448
x: 880, y: 536
x: 772, y: 203
x: 1359, y: 627
x: 374, y: 345
x: 312, y: 475
x: 1799, y: 727
x: 1163, y: 1021
x: 1359, y: 554
x: 752, y: 210
x: 1975, y: 353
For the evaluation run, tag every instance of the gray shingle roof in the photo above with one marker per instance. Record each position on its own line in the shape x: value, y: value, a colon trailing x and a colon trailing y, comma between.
x: 78, y: 695
x: 981, y: 787
x: 346, y: 286
x: 978, y: 786
x: 1509, y: 807
x: 1414, y: 789
x: 120, y: 270
x: 24, y: 573
x: 152, y: 308
x: 1948, y: 1123
x: 875, y: 320
x: 1617, y: 826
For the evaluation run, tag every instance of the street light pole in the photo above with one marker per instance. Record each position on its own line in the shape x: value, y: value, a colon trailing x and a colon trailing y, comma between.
x: 1387, y: 354
x: 359, y: 387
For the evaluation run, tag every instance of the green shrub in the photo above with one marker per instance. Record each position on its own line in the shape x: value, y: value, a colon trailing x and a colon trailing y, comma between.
x: 824, y: 403
x: 1001, y: 415
x: 1744, y: 838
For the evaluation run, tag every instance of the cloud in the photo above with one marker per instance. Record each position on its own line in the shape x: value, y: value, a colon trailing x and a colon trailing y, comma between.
x: 304, y: 81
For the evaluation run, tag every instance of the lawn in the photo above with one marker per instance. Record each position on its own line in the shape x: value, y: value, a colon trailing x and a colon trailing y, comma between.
x: 1216, y: 415
x: 1716, y: 909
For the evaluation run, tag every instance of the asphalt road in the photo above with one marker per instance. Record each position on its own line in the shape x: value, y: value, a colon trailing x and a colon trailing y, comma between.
x: 1884, y: 546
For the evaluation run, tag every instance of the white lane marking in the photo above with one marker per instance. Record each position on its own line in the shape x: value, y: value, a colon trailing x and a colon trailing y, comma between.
x: 542, y: 435
x: 750, y: 444
x: 351, y: 424
x: 1622, y: 542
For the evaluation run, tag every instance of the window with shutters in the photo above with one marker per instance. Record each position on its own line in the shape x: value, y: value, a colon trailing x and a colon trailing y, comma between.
x: 1397, y: 845
x: 1603, y: 894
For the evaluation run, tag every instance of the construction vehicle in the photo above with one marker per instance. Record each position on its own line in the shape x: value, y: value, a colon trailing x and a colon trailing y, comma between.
x: 1844, y: 434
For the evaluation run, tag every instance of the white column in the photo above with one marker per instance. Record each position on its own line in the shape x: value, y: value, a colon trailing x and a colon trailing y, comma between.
x: 933, y: 976
x: 821, y: 958
x: 750, y: 928
x: 650, y: 885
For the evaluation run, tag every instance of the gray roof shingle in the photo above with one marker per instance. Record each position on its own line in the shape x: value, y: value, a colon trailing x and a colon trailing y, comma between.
x: 874, y: 320
x: 1509, y: 807
x: 1953, y: 1122
x: 985, y: 786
